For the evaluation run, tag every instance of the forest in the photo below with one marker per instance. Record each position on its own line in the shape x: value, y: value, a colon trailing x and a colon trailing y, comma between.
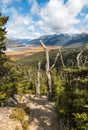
x: 68, y: 70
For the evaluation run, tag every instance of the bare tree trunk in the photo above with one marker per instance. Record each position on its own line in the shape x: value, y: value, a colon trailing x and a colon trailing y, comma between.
x: 48, y: 70
x: 29, y: 74
x: 54, y: 61
x: 85, y: 61
x: 49, y: 89
x: 61, y: 58
x: 79, y: 57
x: 38, y: 85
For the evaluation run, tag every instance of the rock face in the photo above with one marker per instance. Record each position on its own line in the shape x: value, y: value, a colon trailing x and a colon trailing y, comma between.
x: 6, y: 123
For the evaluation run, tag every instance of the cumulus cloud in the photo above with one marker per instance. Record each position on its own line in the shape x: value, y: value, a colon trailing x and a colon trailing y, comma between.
x: 86, y: 18
x: 31, y: 28
x: 17, y: 26
x: 75, y: 6
x: 55, y: 16
x: 59, y: 17
x: 4, y: 6
x: 34, y: 7
x: 9, y: 1
x: 6, y: 1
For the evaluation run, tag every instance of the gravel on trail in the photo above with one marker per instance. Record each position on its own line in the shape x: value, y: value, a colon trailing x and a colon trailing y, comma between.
x: 42, y: 116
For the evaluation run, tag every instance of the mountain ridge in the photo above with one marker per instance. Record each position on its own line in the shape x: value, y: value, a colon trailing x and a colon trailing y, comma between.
x: 50, y: 40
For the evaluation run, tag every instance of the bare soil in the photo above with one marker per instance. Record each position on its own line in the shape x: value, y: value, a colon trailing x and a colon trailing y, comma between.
x: 42, y: 116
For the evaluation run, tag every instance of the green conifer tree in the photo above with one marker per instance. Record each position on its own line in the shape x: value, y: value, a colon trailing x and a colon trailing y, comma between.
x: 3, y: 57
x: 3, y: 21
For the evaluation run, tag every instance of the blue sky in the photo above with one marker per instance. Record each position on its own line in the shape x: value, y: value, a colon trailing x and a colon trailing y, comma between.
x: 33, y: 18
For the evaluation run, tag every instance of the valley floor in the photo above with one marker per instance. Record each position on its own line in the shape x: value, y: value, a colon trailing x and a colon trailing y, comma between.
x: 19, y: 54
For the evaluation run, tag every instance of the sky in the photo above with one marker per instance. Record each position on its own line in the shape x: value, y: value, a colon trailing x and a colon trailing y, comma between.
x: 30, y: 19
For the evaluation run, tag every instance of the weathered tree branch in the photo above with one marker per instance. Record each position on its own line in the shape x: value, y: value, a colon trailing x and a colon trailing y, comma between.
x: 48, y: 69
x: 48, y: 74
x: 61, y: 58
x: 43, y: 45
x: 79, y: 57
x: 54, y: 61
x: 38, y: 85
x: 85, y: 61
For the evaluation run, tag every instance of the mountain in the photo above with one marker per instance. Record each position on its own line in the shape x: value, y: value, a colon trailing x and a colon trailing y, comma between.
x: 78, y: 38
x: 51, y: 40
x: 62, y: 39
x: 17, y: 44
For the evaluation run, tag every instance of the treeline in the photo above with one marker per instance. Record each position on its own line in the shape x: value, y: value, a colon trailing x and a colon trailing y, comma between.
x: 69, y: 82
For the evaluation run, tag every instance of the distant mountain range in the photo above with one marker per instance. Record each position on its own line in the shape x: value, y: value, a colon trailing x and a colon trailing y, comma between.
x: 51, y: 40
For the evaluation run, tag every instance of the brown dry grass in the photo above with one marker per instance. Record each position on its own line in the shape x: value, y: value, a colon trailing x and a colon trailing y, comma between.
x: 16, y: 55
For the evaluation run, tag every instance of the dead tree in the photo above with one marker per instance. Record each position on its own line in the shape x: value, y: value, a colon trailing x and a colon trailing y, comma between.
x: 79, y: 58
x: 61, y: 57
x: 38, y: 85
x: 48, y: 70
x: 85, y: 61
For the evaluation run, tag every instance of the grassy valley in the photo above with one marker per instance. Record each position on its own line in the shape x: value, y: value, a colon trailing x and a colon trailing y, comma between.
x: 22, y: 53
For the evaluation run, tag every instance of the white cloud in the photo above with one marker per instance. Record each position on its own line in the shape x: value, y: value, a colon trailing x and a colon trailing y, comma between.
x: 5, y: 9
x: 18, y: 25
x: 6, y: 1
x: 75, y: 6
x: 59, y: 17
x: 31, y: 28
x: 86, y: 18
x: 52, y: 17
x: 34, y: 7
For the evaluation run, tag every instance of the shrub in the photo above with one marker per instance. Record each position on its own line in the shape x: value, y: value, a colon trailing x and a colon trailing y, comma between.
x: 20, y: 114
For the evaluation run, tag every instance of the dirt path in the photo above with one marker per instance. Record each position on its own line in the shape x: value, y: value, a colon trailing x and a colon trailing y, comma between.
x: 43, y: 116
x: 6, y: 123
